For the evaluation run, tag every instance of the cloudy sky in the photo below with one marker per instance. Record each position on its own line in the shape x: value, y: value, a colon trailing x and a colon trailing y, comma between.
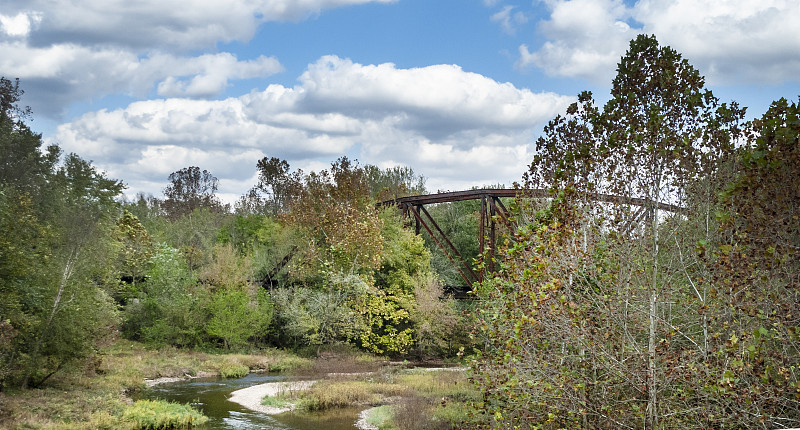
x: 456, y: 89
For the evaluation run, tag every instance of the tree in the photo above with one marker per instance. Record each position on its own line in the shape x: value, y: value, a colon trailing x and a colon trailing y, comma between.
x: 587, y: 290
x: 393, y: 182
x: 190, y: 189
x: 56, y: 221
x: 277, y: 187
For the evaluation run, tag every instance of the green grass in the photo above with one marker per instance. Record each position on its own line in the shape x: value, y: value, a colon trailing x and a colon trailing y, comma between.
x: 279, y: 401
x: 381, y: 417
x: 159, y: 414
x: 410, y: 399
x: 233, y: 370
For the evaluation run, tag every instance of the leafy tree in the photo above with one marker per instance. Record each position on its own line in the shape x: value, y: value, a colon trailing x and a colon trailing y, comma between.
x: 170, y: 309
x: 235, y: 317
x: 277, y: 187
x: 337, y: 217
x: 191, y: 189
x: 393, y: 182
x: 586, y: 292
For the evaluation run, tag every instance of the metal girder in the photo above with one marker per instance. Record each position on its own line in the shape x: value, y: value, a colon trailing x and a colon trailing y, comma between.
x: 415, y: 210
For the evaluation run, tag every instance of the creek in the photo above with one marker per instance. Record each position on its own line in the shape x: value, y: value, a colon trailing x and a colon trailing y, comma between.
x: 210, y: 395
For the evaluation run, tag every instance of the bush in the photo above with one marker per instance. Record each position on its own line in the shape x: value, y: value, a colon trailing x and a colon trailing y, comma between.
x: 233, y: 370
x: 159, y: 414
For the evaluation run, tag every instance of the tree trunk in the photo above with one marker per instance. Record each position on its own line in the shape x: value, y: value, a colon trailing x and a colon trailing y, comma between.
x: 652, y: 388
x: 61, y: 286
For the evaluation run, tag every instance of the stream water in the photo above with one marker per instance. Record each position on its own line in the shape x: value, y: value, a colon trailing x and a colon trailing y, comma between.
x: 210, y: 395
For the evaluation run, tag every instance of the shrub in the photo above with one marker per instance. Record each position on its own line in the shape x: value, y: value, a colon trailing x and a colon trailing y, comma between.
x: 233, y: 370
x: 160, y: 414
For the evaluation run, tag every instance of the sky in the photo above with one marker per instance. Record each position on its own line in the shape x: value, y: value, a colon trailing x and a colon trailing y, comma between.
x: 458, y: 90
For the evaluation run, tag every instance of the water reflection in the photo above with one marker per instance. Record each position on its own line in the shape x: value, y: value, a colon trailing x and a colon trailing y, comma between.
x: 211, y: 397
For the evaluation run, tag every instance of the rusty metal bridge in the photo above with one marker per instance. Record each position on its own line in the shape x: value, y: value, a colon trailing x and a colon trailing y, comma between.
x: 492, y: 209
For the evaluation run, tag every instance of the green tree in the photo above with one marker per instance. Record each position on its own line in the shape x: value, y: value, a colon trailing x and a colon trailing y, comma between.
x: 235, y: 317
x: 191, y: 189
x: 586, y: 292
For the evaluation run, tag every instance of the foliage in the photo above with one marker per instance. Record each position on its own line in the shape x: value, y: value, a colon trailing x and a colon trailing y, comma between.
x: 55, y: 225
x: 190, y: 189
x: 277, y: 187
x: 615, y: 312
x: 323, y: 316
x: 160, y: 414
x: 170, y: 307
x: 235, y: 317
x: 339, y: 223
x: 393, y: 182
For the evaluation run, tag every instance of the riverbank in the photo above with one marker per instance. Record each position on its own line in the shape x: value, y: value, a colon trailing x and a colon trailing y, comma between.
x: 97, y: 392
x: 392, y: 397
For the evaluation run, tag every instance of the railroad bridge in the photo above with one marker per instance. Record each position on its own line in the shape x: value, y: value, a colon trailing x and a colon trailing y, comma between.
x: 492, y: 210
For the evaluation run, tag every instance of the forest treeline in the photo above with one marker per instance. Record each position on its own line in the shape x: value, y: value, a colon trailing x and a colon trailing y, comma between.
x: 303, y: 260
x: 601, y: 315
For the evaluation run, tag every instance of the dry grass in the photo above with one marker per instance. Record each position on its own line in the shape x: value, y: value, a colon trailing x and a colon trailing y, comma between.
x: 419, y: 399
x: 95, y: 394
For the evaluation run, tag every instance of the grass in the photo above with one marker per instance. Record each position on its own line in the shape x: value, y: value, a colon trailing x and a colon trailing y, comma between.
x: 381, y: 417
x: 96, y: 395
x: 159, y: 414
x: 233, y: 370
x: 279, y: 401
x: 407, y: 399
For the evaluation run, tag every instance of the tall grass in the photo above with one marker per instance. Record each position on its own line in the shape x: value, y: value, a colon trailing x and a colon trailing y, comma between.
x: 159, y: 414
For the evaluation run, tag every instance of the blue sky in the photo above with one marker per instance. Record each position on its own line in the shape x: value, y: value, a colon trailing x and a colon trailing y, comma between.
x: 456, y: 89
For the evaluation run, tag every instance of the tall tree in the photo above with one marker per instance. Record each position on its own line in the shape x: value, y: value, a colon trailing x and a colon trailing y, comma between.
x: 586, y: 270
x: 55, y: 221
x: 191, y: 188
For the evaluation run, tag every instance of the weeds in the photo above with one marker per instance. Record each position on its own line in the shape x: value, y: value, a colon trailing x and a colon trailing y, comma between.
x: 233, y: 370
x: 159, y: 414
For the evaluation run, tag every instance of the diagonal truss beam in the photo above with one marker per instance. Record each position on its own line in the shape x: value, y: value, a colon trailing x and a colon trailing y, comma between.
x: 417, y: 210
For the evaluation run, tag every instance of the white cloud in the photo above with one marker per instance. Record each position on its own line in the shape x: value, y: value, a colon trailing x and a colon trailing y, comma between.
x: 69, y: 53
x: 508, y: 21
x: 451, y: 125
x: 169, y: 24
x: 19, y: 25
x: 586, y: 39
x: 730, y: 41
x: 72, y: 72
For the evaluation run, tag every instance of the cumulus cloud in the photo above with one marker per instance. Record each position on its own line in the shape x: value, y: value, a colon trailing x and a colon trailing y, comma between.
x: 447, y: 123
x: 169, y: 24
x: 70, y: 53
x: 20, y: 24
x: 586, y: 39
x: 66, y: 72
x: 733, y: 41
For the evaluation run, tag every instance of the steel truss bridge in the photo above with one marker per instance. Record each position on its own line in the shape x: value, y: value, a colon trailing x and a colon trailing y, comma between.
x: 492, y: 208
